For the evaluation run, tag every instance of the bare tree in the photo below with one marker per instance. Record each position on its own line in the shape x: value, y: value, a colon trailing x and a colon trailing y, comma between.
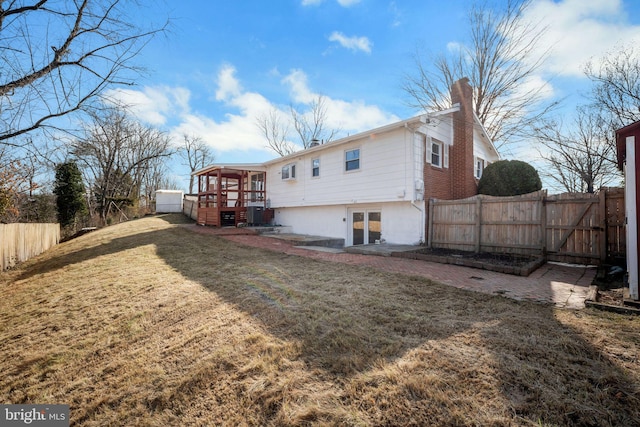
x: 311, y: 125
x: 59, y: 56
x: 275, y: 129
x: 579, y: 159
x: 116, y: 154
x: 616, y: 85
x: 197, y: 154
x: 500, y: 56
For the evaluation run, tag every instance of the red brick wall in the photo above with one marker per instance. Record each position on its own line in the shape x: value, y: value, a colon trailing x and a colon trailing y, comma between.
x: 458, y: 180
x: 461, y: 154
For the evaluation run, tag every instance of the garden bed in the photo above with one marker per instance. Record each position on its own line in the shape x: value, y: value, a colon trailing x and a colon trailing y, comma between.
x: 518, y: 265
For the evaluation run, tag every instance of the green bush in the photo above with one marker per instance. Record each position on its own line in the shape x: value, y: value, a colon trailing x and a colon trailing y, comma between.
x: 509, y: 178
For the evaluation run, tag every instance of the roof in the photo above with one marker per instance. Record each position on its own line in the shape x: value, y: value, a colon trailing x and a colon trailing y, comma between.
x: 422, y: 119
x: 233, y: 168
x: 621, y: 145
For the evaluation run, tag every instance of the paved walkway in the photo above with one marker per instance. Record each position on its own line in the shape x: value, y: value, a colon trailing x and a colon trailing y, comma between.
x: 565, y: 286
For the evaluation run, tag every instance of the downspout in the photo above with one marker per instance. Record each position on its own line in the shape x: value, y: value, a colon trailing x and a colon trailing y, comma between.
x: 413, y: 182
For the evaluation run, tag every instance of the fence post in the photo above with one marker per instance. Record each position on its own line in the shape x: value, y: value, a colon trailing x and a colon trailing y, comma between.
x: 478, y: 222
x: 543, y: 221
x: 430, y: 222
x: 603, y: 226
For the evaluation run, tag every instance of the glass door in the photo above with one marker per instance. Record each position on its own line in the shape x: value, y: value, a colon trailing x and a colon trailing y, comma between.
x: 366, y: 227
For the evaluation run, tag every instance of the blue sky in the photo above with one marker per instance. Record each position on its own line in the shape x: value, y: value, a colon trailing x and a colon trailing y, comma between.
x: 224, y: 63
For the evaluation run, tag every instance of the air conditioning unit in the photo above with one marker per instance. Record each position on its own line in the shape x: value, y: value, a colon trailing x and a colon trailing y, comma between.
x: 255, y: 215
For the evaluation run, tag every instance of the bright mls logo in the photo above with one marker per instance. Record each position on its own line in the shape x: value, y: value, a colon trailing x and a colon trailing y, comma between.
x: 35, y: 415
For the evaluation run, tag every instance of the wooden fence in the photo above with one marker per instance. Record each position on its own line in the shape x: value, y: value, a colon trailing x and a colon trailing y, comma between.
x: 571, y: 227
x: 190, y: 208
x: 19, y: 242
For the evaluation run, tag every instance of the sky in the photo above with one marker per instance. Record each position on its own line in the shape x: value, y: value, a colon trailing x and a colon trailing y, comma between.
x: 222, y: 64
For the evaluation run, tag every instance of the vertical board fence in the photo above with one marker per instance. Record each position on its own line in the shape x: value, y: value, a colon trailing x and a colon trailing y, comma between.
x: 571, y: 227
x: 19, y: 242
x: 190, y: 208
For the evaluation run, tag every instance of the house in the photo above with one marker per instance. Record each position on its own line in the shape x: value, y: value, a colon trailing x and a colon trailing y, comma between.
x: 365, y: 188
x: 628, y: 150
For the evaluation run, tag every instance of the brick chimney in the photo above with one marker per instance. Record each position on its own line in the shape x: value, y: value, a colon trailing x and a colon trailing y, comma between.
x: 463, y: 182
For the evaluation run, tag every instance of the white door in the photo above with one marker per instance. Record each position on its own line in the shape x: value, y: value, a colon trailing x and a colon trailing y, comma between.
x: 366, y: 226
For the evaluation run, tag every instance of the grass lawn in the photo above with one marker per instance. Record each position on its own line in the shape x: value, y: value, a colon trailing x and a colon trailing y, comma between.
x: 148, y: 323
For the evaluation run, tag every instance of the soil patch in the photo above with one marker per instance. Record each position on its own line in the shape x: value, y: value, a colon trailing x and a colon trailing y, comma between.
x: 502, y: 262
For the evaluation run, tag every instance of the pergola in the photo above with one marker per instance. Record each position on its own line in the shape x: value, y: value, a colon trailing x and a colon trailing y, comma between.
x: 226, y: 192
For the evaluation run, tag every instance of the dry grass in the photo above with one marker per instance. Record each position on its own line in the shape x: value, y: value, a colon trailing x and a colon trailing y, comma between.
x: 146, y: 323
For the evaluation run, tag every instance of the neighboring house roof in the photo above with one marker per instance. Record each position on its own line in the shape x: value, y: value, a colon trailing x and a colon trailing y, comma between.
x: 621, y: 144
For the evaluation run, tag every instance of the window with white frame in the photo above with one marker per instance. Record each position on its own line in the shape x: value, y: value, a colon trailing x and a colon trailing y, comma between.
x: 436, y: 153
x: 289, y: 171
x: 352, y: 160
x: 315, y: 168
x: 479, y: 167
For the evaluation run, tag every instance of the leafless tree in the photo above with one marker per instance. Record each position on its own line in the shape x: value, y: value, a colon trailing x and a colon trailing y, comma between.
x: 616, y: 84
x: 116, y: 154
x: 59, y: 56
x: 500, y: 56
x: 275, y: 128
x: 197, y: 154
x: 578, y: 159
x: 312, y: 124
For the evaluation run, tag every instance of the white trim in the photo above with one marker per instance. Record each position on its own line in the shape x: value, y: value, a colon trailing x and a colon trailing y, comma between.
x: 632, y: 216
x: 440, y: 154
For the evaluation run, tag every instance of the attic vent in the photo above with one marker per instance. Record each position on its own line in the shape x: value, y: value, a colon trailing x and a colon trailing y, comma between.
x: 314, y: 143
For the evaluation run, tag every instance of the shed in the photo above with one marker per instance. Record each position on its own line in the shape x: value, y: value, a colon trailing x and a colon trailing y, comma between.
x: 628, y: 151
x: 169, y: 201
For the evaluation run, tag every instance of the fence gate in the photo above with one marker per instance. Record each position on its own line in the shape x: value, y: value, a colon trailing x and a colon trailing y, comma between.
x: 574, y: 228
x: 585, y: 228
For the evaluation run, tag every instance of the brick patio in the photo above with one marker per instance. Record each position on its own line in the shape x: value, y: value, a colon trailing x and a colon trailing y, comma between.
x: 562, y: 285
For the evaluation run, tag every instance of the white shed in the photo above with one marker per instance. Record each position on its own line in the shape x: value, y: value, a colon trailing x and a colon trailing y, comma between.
x: 169, y: 201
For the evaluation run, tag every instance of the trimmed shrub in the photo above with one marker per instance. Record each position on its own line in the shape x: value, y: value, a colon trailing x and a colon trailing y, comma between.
x: 509, y: 178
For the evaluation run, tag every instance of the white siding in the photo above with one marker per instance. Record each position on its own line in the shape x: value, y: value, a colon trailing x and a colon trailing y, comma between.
x: 168, y: 201
x: 482, y: 148
x: 385, y: 173
x: 631, y: 180
x: 402, y: 223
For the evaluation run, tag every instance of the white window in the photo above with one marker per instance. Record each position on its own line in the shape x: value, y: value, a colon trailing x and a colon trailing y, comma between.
x: 352, y: 160
x: 436, y: 153
x: 479, y: 167
x: 289, y: 171
x: 315, y: 168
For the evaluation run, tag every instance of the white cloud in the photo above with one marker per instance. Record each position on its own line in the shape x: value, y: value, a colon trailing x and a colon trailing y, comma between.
x: 228, y: 85
x: 349, y: 116
x: 153, y: 104
x: 299, y: 89
x: 235, y: 133
x: 354, y: 43
x: 577, y: 31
